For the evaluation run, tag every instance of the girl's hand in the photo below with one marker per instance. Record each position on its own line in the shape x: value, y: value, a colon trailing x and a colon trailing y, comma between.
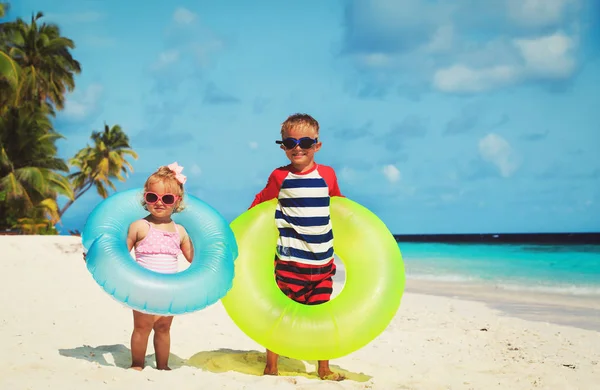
x: 186, y: 244
x: 187, y: 249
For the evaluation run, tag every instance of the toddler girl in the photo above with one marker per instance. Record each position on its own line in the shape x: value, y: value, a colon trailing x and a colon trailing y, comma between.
x: 158, y: 241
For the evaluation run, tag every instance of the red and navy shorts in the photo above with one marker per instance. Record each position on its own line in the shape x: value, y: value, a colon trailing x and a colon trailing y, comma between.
x: 305, y: 283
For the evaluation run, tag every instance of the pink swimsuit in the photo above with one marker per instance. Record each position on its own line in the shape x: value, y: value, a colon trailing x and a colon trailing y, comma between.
x: 158, y: 251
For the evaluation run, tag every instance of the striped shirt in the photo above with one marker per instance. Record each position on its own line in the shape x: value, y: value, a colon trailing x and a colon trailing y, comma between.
x: 302, y: 215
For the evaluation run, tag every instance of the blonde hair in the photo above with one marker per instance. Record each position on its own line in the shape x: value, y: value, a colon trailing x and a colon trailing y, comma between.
x: 300, y: 121
x: 167, y: 177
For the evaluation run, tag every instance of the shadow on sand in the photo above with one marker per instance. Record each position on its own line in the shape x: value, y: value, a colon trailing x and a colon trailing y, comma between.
x: 253, y: 363
x: 218, y: 361
x: 118, y: 356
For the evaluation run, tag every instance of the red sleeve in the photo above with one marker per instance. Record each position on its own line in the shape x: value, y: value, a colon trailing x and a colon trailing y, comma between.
x: 328, y: 174
x: 271, y: 190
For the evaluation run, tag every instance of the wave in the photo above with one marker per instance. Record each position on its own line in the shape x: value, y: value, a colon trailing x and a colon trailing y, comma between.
x: 556, y: 289
x: 512, y: 285
x: 442, y: 278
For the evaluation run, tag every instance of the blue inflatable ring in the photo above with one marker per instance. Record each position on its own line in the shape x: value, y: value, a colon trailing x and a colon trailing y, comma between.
x: 206, y: 281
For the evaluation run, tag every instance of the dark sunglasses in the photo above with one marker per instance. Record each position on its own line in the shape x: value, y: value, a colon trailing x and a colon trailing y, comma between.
x: 304, y: 142
x: 166, y: 199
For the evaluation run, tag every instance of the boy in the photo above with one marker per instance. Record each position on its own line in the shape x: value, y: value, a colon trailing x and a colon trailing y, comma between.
x: 304, y: 255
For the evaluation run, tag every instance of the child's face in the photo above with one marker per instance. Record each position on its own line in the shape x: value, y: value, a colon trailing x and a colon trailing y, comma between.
x: 301, y: 158
x: 160, y: 209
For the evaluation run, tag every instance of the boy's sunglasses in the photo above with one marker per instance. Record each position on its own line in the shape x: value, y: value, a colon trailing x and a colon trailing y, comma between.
x: 304, y: 142
x: 166, y: 199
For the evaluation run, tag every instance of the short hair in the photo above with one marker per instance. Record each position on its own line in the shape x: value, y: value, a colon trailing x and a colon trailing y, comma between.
x: 300, y: 120
x: 165, y: 175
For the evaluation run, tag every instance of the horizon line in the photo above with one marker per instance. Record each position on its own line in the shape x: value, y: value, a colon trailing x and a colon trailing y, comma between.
x: 585, y: 238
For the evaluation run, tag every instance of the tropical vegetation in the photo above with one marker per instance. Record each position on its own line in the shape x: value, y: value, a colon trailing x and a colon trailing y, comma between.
x: 37, y: 70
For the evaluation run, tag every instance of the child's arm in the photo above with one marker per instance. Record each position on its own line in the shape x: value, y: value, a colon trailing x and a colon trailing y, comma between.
x: 330, y: 177
x: 186, y: 244
x: 334, y: 190
x: 271, y: 190
x: 133, y: 233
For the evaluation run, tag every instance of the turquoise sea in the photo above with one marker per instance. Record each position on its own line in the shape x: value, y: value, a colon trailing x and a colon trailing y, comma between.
x: 562, y: 269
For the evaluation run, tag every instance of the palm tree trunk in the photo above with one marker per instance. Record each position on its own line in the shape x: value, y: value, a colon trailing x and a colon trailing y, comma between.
x: 83, y: 190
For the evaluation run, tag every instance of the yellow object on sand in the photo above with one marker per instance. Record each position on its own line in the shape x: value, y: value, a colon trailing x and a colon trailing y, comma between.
x: 369, y: 300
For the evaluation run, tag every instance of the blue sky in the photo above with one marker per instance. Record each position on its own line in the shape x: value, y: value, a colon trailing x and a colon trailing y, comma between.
x: 469, y: 117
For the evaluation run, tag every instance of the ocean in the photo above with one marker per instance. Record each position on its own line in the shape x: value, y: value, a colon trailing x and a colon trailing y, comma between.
x: 561, y: 269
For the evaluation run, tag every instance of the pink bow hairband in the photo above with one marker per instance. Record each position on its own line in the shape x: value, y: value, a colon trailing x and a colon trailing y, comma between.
x: 176, y: 168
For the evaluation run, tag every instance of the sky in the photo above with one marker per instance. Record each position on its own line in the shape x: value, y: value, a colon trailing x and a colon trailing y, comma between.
x: 440, y: 117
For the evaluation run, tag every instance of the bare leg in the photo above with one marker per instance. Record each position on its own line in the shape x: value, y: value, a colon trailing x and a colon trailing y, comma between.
x: 271, y: 367
x: 326, y: 373
x: 142, y: 326
x: 162, y: 341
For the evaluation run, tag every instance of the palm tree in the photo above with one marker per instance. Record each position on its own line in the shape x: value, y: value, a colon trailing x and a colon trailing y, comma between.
x: 9, y: 81
x: 9, y: 70
x: 48, y: 68
x: 30, y: 178
x: 42, y: 221
x: 99, y: 164
x: 29, y: 225
x: 3, y: 9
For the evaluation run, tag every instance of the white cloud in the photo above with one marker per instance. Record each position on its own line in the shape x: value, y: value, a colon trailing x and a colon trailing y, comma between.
x: 462, y: 78
x: 496, y: 150
x: 166, y: 58
x: 347, y: 174
x: 391, y: 173
x: 375, y: 60
x: 538, y: 13
x: 442, y: 39
x: 204, y: 50
x: 253, y: 145
x: 463, y: 46
x: 195, y: 170
x: 184, y: 16
x: 549, y: 56
x: 188, y: 40
x: 79, y: 106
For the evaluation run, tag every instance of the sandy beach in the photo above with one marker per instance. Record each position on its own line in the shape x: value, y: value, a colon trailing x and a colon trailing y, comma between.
x: 59, y: 330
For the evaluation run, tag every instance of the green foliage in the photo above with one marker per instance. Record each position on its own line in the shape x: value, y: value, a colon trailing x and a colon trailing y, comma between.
x: 3, y: 9
x: 36, y: 71
x: 31, y: 175
x: 44, y: 55
x: 9, y: 70
x: 100, y: 163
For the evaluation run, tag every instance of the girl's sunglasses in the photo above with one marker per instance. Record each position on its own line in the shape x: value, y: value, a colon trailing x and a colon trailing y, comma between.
x: 166, y: 199
x: 304, y: 142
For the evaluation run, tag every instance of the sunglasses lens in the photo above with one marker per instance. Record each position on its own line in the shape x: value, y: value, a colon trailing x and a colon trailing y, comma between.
x: 168, y: 199
x: 289, y: 143
x: 306, y: 143
x: 151, y: 198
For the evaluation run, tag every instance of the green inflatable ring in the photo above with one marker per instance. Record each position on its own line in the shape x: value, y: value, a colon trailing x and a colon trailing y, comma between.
x: 369, y: 300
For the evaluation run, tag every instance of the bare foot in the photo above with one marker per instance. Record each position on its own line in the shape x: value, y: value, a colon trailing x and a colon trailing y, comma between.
x: 137, y: 368
x: 271, y: 371
x: 331, y: 376
x: 167, y: 368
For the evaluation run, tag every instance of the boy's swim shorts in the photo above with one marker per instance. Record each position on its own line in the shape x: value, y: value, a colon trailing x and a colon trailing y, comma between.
x: 305, y: 283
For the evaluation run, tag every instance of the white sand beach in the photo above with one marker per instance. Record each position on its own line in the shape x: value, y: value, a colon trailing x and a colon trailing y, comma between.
x: 59, y: 330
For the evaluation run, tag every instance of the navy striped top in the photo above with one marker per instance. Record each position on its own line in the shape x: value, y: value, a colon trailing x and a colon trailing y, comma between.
x: 302, y: 215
